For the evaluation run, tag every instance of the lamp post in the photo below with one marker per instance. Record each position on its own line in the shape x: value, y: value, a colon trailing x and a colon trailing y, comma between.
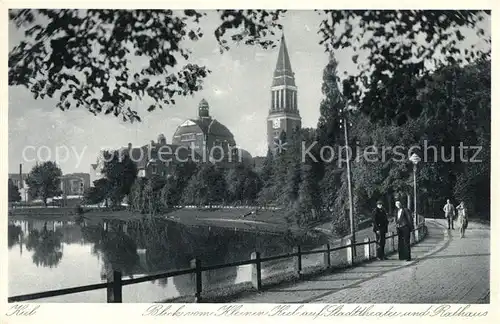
x: 349, y: 186
x: 414, y: 158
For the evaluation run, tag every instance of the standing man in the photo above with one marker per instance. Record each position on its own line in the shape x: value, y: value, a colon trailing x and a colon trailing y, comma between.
x: 449, y: 213
x: 380, y: 224
x: 404, y: 227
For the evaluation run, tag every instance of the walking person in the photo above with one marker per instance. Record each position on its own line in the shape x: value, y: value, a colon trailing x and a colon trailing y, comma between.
x: 380, y: 225
x: 449, y: 213
x: 404, y: 227
x: 462, y: 220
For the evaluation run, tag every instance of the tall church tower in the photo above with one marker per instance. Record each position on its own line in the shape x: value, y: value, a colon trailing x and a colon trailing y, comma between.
x: 284, y: 113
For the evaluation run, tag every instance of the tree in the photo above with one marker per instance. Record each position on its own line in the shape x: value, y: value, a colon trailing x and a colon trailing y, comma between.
x: 206, y: 187
x: 331, y: 108
x: 14, y: 195
x: 98, y: 193
x: 90, y: 49
x: 393, y: 43
x: 120, y: 172
x: 242, y: 183
x: 44, y: 181
x: 74, y: 68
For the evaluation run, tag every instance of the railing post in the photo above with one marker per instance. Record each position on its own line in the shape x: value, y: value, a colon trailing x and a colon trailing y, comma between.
x: 326, y: 256
x: 367, y: 248
x: 196, y: 264
x: 393, y: 243
x: 256, y: 271
x: 417, y: 238
x: 114, y: 290
x: 298, y: 263
x: 349, y: 249
x: 117, y: 286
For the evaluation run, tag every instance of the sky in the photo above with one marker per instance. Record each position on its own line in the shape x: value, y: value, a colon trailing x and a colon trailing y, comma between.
x: 237, y: 90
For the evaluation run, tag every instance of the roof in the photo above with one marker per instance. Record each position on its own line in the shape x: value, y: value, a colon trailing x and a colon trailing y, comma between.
x: 283, y: 74
x: 207, y: 126
x: 141, y: 155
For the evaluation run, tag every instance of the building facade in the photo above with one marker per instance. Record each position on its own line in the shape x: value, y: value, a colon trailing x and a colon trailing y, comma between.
x: 19, y: 180
x: 74, y: 184
x: 284, y: 114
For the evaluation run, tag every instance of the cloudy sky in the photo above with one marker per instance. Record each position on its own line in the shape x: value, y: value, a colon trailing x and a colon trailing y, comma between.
x: 237, y: 90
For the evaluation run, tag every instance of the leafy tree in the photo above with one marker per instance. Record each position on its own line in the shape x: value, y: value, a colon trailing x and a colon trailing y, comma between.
x: 207, y: 186
x: 152, y: 195
x: 14, y: 195
x: 242, y: 184
x: 98, y: 193
x: 93, y: 49
x: 88, y: 48
x: 136, y: 195
x: 120, y: 172
x: 44, y: 181
x: 331, y: 108
x: 398, y: 44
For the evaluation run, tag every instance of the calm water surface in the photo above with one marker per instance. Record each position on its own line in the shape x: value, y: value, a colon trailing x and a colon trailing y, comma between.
x: 48, y: 254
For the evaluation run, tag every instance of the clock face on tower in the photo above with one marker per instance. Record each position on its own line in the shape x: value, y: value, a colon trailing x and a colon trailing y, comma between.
x: 276, y: 123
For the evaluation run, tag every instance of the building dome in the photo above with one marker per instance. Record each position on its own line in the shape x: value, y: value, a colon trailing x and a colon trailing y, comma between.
x: 207, y: 127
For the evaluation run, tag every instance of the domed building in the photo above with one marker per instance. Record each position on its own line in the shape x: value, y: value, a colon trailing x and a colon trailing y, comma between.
x: 207, y: 137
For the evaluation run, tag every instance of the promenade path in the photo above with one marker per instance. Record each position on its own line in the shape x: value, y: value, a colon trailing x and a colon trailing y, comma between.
x: 445, y: 269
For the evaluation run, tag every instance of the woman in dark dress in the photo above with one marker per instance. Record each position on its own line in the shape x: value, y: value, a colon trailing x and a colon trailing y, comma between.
x: 404, y: 227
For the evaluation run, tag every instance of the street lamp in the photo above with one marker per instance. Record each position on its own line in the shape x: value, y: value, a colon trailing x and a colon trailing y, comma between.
x: 414, y: 158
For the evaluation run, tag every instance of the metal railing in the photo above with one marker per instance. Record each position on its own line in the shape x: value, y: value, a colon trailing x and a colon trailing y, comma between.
x: 114, y: 286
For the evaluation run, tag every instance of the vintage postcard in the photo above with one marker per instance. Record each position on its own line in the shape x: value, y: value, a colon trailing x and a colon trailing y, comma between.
x: 321, y: 162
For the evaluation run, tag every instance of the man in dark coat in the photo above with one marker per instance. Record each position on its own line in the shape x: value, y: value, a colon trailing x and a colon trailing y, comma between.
x: 380, y: 224
x: 404, y: 227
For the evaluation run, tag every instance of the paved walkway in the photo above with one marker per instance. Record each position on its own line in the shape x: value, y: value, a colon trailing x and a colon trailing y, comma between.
x: 445, y: 269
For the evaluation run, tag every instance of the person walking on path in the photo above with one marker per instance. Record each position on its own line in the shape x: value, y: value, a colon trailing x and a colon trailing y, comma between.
x: 449, y: 213
x: 404, y: 227
x: 380, y: 226
x: 462, y: 220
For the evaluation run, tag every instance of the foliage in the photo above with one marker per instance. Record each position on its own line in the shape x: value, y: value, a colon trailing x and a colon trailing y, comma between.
x: 14, y: 195
x: 120, y: 172
x: 243, y: 184
x: 206, y: 187
x: 98, y: 193
x: 90, y: 48
x: 70, y: 53
x: 398, y: 45
x: 331, y: 108
x: 44, y: 181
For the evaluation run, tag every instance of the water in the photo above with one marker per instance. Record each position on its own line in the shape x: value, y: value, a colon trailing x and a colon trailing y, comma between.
x: 54, y: 254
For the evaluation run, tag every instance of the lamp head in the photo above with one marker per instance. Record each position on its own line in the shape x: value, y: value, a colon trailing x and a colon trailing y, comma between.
x: 414, y: 158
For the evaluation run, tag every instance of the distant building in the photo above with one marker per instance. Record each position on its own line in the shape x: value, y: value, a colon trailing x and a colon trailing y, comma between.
x: 74, y: 184
x: 156, y: 158
x: 19, y: 180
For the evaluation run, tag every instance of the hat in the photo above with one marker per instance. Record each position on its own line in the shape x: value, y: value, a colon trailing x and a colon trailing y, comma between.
x: 379, y: 202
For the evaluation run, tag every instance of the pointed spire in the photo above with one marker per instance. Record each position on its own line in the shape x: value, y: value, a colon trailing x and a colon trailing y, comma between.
x: 283, y: 73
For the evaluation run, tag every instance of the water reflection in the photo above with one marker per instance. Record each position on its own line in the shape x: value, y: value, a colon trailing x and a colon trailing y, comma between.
x: 140, y: 247
x: 46, y: 246
x: 14, y: 235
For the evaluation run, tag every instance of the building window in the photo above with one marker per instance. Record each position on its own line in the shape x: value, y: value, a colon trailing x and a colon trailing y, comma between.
x: 188, y: 137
